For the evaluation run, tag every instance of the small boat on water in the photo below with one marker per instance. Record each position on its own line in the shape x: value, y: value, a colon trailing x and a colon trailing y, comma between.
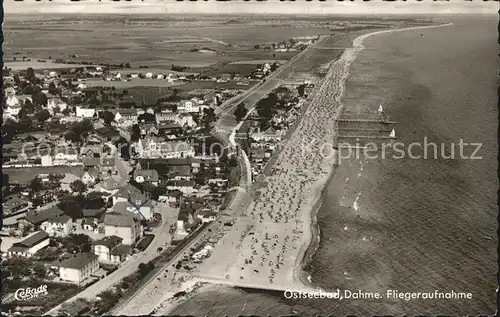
x: 393, y: 133
x: 380, y: 108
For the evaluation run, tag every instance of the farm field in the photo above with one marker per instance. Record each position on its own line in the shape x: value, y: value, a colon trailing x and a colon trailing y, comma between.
x: 132, y: 83
x: 146, y: 41
x: 152, y: 94
x: 25, y: 175
x: 21, y: 65
x: 258, y: 61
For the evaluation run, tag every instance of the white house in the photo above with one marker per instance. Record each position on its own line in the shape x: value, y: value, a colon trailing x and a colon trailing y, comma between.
x: 12, y: 100
x: 30, y: 245
x: 126, y: 117
x: 78, y: 268
x: 81, y: 86
x: 59, y: 226
x: 186, y: 120
x: 65, y: 182
x: 144, y: 210
x: 188, y: 106
x: 150, y: 176
x: 165, y: 116
x: 207, y: 215
x: 90, y: 176
x: 85, y: 112
x: 124, y: 225
x: 149, y: 75
x: 267, y: 135
x: 111, y: 250
x: 184, y: 186
x: 64, y: 155
x: 160, y: 77
x: 153, y: 147
x: 54, y: 103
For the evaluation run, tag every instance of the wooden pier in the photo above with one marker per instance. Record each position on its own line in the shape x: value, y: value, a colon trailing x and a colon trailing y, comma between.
x: 365, y: 130
x: 365, y: 121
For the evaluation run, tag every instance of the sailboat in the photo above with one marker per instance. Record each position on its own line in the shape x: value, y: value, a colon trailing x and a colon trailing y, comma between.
x: 380, y: 108
x: 393, y: 134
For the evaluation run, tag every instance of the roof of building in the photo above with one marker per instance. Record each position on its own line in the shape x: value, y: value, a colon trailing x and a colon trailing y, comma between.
x: 180, y: 170
x: 92, y: 161
x: 107, y: 131
x: 37, y: 217
x: 178, y: 161
x: 92, y: 213
x: 150, y: 175
x: 127, y: 111
x: 207, y: 213
x: 110, y: 184
x: 175, y: 146
x: 32, y: 239
x: 130, y: 192
x: 181, y: 183
x: 13, y: 202
x: 120, y: 219
x: 93, y: 172
x: 174, y: 193
x: 79, y: 261
x: 121, y: 250
x: 69, y: 178
x: 110, y: 161
x: 109, y: 241
x: 59, y: 219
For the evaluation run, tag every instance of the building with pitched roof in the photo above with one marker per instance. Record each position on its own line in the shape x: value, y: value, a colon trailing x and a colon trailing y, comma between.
x: 146, y: 176
x: 129, y: 193
x: 124, y: 225
x: 58, y: 226
x: 30, y: 245
x: 79, y: 267
x: 35, y: 218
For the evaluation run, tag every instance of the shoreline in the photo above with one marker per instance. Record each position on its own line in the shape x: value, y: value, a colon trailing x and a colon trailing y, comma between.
x: 306, y: 253
x: 311, y: 234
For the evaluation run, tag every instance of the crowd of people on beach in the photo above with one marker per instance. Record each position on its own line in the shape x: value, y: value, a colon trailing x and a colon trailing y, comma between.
x: 281, y: 209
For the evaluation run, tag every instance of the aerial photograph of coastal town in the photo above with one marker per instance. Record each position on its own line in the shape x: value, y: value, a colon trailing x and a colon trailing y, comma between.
x: 249, y: 158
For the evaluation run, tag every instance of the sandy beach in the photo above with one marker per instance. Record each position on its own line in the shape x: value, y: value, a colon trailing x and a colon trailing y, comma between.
x: 268, y: 244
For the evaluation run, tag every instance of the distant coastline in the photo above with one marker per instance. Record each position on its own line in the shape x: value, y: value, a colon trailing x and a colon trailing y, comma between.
x: 304, y: 259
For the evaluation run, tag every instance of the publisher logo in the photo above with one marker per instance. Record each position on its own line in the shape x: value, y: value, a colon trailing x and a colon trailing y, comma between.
x: 29, y: 293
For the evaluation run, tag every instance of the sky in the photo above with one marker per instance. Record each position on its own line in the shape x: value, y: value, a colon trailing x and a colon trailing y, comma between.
x: 379, y: 7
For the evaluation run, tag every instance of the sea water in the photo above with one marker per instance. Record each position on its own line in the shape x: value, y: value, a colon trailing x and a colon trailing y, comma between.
x: 414, y: 225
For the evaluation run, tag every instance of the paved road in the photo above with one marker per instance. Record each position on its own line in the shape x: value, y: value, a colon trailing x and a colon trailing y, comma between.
x: 143, y: 301
x: 162, y: 236
x: 226, y: 121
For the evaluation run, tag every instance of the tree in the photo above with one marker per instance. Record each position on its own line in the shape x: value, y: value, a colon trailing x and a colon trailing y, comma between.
x: 30, y: 74
x: 107, y: 117
x: 26, y: 228
x: 208, y: 116
x: 66, y: 111
x: 71, y: 206
x: 79, y: 242
x: 78, y: 186
x: 144, y: 269
x: 136, y: 133
x: 240, y: 112
x: 36, y: 184
x: 301, y: 90
x: 39, y: 271
x: 146, y: 117
x: 53, y: 89
x: 42, y: 115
